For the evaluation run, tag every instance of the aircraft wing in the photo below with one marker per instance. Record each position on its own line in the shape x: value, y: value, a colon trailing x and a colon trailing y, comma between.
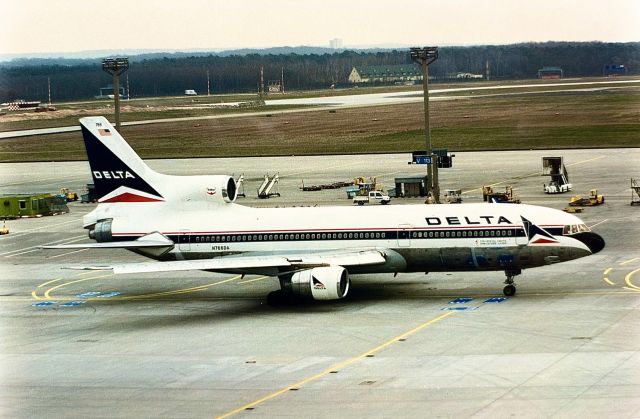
x: 133, y: 244
x: 153, y: 240
x: 251, y: 261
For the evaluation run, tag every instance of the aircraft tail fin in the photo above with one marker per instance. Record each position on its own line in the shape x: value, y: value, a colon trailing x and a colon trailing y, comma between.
x: 119, y: 174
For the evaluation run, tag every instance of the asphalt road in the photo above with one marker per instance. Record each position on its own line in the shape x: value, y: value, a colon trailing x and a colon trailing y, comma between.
x: 207, y: 345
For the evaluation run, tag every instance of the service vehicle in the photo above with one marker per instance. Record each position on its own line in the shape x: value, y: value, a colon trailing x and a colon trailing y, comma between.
x: 373, y: 196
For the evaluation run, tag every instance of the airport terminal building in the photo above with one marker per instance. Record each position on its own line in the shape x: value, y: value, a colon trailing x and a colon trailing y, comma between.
x: 385, y: 74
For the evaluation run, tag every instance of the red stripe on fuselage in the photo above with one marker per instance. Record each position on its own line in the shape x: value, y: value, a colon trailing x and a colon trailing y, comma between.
x: 544, y: 241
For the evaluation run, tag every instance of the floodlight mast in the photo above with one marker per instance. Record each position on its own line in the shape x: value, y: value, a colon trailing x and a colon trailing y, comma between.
x: 425, y: 56
x: 115, y: 67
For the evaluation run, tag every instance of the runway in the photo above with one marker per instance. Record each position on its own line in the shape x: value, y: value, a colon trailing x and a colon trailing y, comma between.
x: 91, y: 344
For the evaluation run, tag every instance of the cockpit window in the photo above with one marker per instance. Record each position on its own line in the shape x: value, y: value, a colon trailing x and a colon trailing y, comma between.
x: 574, y: 229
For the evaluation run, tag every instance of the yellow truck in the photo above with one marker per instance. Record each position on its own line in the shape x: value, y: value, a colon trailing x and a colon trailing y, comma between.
x: 590, y: 201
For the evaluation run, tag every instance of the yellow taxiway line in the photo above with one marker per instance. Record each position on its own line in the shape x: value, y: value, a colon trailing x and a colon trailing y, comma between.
x: 629, y: 261
x: 605, y: 276
x: 336, y: 367
x: 47, y: 294
x: 531, y: 174
x: 627, y: 280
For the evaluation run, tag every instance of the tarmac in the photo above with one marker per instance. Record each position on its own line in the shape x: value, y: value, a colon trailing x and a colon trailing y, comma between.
x: 183, y: 345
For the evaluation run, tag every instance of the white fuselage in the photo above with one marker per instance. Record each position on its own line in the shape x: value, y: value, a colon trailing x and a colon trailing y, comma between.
x: 428, y: 237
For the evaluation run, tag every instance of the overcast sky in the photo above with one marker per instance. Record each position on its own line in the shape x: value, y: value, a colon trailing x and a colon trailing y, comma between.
x: 45, y: 26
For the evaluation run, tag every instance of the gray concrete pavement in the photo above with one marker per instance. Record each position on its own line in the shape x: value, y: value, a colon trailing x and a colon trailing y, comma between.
x: 203, y: 345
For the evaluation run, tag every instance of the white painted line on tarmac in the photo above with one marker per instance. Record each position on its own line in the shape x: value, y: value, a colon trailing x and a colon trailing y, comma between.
x: 37, y: 247
x: 68, y: 253
x: 38, y: 180
x: 14, y: 235
x: 597, y: 224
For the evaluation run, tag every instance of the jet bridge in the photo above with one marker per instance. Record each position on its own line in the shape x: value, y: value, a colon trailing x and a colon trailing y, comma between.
x: 555, y: 168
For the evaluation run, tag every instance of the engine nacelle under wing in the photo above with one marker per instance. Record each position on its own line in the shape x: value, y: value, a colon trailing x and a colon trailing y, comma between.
x: 324, y: 283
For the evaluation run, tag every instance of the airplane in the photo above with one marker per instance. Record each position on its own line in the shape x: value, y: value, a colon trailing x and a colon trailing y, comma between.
x: 189, y: 223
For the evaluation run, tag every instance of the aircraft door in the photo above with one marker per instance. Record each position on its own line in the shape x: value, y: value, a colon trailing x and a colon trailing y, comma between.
x: 404, y: 235
x: 184, y: 244
x: 520, y: 235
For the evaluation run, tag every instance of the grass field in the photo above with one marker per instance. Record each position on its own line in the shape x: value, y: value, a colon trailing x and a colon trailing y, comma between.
x: 580, y: 119
x: 141, y: 109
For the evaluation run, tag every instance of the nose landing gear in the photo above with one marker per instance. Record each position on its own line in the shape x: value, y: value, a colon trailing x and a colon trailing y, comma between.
x: 510, y: 289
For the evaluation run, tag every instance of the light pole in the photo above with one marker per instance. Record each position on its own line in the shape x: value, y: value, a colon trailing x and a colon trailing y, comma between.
x: 115, y: 67
x: 425, y: 56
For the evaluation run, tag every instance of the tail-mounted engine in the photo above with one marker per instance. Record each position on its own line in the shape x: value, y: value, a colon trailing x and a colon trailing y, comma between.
x: 208, y: 189
x: 101, y: 231
x: 325, y: 283
x: 228, y: 189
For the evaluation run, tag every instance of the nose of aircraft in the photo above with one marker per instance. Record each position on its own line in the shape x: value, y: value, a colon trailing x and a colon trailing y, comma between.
x: 593, y: 241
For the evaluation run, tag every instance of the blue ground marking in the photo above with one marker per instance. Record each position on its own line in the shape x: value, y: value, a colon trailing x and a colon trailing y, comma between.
x: 495, y: 300
x: 72, y: 304
x: 461, y: 300
x: 44, y: 304
x: 88, y: 294
x: 459, y: 308
x: 108, y: 294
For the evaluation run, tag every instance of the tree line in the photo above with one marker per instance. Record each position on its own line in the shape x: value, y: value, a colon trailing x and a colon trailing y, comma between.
x: 304, y: 70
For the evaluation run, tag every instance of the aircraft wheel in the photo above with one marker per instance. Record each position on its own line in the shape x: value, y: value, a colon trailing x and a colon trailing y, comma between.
x: 509, y: 290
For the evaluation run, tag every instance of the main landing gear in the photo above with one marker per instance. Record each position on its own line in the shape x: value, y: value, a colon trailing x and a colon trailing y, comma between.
x: 510, y: 289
